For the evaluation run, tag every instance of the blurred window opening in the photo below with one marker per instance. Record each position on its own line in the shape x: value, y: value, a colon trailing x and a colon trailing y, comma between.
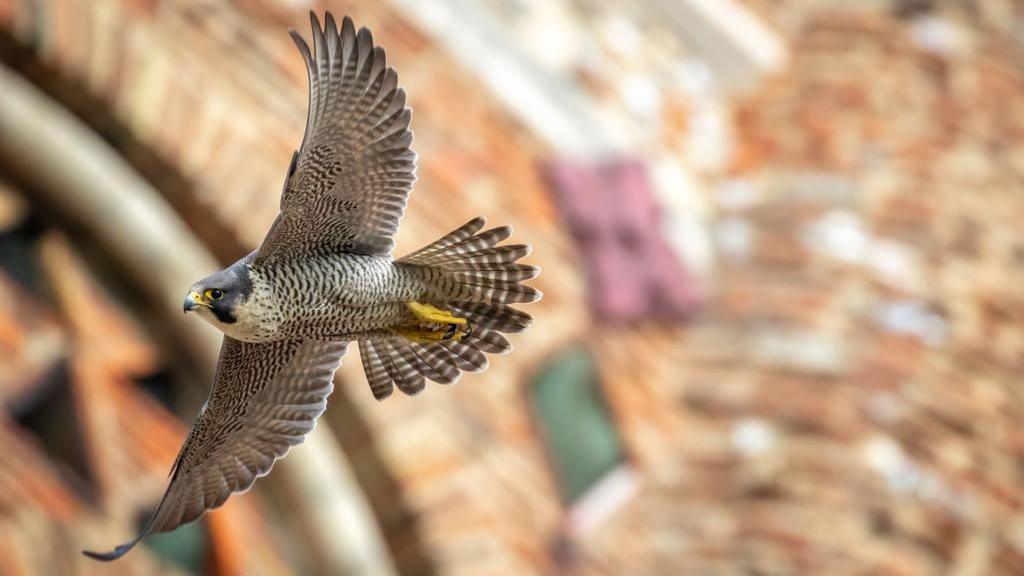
x: 161, y: 386
x: 184, y: 548
x: 611, y: 212
x: 575, y: 423
x: 48, y: 411
x: 17, y: 253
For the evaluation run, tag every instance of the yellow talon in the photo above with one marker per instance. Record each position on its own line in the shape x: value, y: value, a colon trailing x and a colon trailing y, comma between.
x: 436, y: 325
x: 428, y: 313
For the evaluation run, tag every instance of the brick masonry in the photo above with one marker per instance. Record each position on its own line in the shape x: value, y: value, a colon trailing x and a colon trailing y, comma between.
x: 846, y: 404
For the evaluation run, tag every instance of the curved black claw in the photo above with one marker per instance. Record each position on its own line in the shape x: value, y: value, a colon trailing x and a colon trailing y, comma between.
x: 457, y: 332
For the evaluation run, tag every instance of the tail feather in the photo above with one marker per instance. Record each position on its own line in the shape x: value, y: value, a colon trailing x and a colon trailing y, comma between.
x: 475, y: 279
x: 375, y: 370
x: 428, y: 370
x: 482, y: 242
x: 507, y: 272
x: 476, y: 269
x: 490, y: 342
x: 466, y: 357
x: 457, y: 236
x: 458, y: 250
x: 402, y: 373
x: 489, y: 255
x: 500, y: 294
x: 493, y: 316
x: 436, y: 363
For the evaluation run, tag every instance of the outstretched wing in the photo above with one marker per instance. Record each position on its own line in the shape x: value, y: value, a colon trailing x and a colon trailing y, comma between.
x: 348, y: 184
x: 265, y: 400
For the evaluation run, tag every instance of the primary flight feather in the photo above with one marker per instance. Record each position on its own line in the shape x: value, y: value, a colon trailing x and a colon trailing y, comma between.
x: 324, y: 277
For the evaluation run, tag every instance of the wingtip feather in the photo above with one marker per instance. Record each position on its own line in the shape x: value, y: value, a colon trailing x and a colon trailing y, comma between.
x: 331, y: 37
x: 365, y: 39
x: 329, y: 25
x: 300, y: 43
x: 114, y: 554
x: 348, y: 28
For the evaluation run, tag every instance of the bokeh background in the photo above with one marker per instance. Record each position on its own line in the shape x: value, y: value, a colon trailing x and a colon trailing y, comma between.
x: 783, y: 253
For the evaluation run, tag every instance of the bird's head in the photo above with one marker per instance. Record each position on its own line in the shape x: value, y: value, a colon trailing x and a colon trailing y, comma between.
x: 218, y: 298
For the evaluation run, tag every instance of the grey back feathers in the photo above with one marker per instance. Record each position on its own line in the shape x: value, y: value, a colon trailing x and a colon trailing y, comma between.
x: 349, y: 185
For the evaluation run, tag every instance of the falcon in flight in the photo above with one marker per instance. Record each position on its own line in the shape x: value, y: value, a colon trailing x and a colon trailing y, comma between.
x: 324, y: 277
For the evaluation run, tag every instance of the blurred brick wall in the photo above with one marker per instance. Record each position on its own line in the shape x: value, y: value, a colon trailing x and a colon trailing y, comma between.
x: 866, y: 418
x: 847, y: 405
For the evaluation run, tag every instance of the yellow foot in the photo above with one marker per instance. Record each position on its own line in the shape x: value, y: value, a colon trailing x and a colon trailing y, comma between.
x: 428, y: 314
x: 435, y: 325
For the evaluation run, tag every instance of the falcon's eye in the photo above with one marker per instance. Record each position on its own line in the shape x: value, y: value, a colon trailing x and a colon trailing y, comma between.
x: 215, y: 294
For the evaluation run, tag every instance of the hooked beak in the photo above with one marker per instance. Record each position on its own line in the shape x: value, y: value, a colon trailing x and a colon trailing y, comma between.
x: 193, y: 301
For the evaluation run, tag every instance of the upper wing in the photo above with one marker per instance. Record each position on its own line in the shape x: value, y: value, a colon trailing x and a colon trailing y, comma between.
x: 348, y: 185
x: 265, y: 400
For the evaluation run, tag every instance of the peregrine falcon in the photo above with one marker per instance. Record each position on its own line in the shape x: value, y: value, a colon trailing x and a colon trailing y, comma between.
x: 324, y: 277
